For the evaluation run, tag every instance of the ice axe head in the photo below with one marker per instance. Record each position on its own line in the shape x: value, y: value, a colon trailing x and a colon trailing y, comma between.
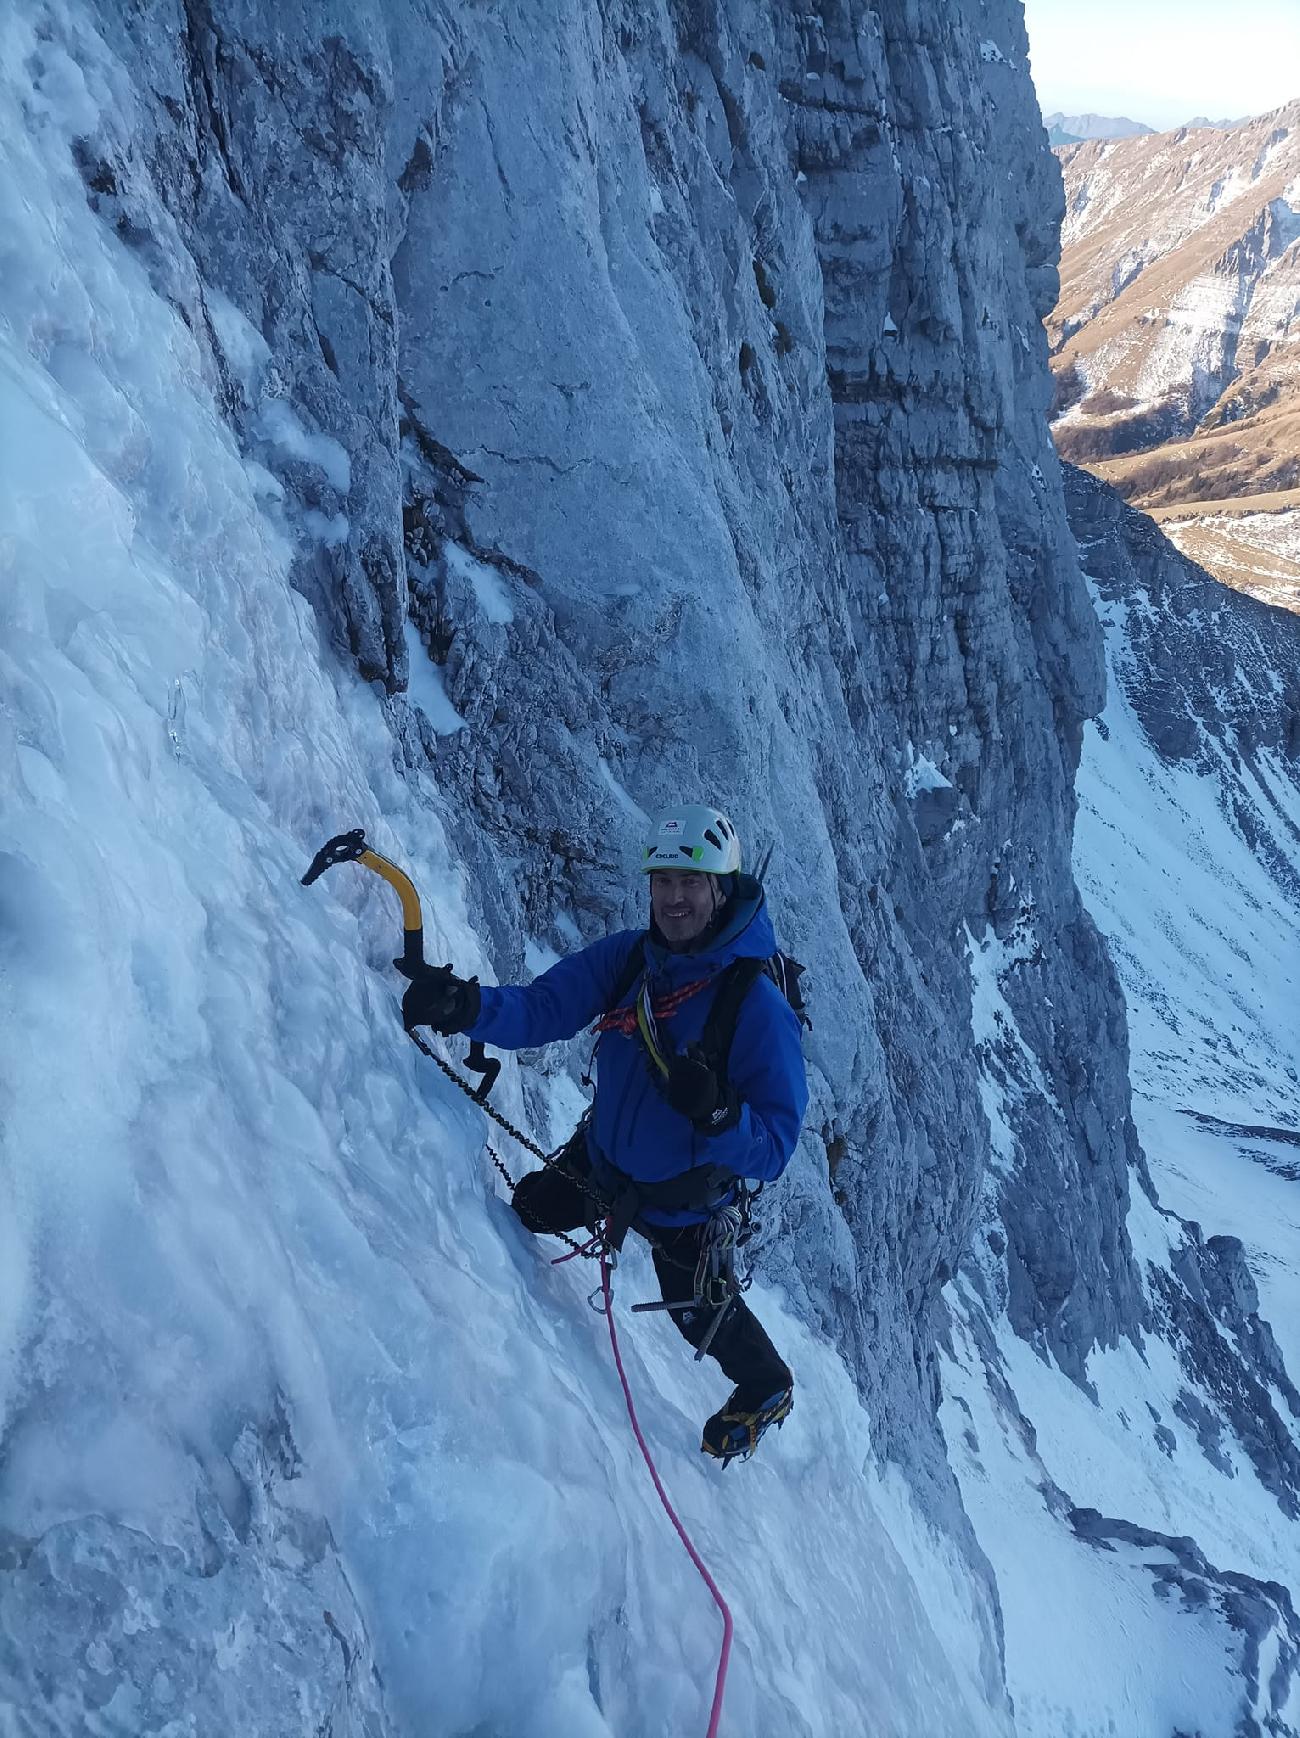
x: 342, y: 848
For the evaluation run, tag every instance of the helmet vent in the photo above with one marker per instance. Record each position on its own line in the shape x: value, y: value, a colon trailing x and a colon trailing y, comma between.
x: 696, y: 835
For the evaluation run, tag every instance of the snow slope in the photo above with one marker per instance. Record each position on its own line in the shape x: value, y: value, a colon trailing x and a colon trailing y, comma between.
x: 1157, y: 1500
x: 1258, y: 553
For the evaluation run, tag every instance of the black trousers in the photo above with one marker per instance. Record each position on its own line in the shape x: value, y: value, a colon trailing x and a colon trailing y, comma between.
x: 551, y: 1200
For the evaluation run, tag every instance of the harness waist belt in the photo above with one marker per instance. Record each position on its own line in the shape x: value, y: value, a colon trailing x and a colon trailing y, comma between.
x: 695, y: 1191
x: 703, y: 1186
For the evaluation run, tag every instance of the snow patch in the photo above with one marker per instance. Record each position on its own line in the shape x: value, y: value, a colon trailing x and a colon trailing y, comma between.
x: 538, y: 958
x: 921, y: 774
x: 488, y: 587
x: 245, y: 350
x: 278, y: 425
x: 620, y: 794
x: 425, y: 686
x: 329, y: 529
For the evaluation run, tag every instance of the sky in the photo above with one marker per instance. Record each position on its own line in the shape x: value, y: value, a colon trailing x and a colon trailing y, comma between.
x: 1164, y: 61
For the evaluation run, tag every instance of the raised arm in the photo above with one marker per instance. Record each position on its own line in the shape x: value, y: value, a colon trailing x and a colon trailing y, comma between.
x: 559, y: 1003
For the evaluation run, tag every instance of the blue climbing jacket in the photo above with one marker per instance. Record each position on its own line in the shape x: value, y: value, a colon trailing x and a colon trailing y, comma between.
x: 633, y: 1129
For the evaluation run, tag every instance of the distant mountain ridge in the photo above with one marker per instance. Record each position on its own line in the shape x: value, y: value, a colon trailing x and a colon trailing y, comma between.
x: 1075, y: 128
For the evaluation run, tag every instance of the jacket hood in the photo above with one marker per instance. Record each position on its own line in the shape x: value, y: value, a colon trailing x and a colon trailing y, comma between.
x: 746, y: 933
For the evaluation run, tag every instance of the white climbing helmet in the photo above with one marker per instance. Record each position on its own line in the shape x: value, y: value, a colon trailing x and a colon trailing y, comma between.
x: 693, y: 837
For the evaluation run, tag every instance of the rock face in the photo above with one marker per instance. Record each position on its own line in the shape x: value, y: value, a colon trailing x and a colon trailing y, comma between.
x: 657, y: 401
x: 740, y: 336
x: 658, y: 349
x: 1205, y: 670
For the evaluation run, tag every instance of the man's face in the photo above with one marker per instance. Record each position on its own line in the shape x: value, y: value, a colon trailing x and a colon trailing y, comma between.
x: 682, y: 903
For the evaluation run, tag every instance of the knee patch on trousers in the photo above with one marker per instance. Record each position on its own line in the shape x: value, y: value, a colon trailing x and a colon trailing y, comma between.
x: 550, y: 1200
x: 528, y: 1201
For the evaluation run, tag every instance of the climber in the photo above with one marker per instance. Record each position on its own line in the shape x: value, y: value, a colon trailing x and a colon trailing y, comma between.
x: 681, y: 1112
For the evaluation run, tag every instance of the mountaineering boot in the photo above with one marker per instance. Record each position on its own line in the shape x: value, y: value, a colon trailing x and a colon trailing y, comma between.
x: 738, y: 1427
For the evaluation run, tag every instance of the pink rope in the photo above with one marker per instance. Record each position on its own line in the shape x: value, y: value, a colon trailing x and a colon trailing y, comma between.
x: 588, y: 1248
x: 724, y: 1658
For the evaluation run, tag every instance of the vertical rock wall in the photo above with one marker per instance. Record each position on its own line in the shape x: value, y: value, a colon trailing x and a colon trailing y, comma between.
x: 735, y: 320
x: 656, y: 399
x: 683, y: 393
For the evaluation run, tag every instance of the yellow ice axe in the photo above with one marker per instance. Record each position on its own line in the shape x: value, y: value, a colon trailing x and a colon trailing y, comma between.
x: 352, y: 848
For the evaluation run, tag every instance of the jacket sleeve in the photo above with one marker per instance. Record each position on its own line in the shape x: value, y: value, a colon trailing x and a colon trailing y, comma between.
x: 558, y: 1004
x: 766, y: 1069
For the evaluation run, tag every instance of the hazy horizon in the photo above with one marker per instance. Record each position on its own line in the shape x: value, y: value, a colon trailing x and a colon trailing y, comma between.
x: 1105, y: 114
x: 1164, y: 62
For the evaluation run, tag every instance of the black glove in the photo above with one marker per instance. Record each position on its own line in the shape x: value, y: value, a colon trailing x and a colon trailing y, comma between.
x: 438, y: 998
x: 693, y: 1088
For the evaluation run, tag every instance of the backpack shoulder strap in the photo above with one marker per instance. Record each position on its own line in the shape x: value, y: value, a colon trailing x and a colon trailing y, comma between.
x: 736, y: 981
x: 633, y: 967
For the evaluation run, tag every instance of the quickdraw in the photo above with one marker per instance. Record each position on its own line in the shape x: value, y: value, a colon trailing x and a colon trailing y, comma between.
x: 717, y: 1284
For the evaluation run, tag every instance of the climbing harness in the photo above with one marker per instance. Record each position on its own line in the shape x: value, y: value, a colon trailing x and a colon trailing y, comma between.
x: 352, y: 848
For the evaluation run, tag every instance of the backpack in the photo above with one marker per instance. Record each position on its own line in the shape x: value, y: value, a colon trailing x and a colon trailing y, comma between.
x: 734, y: 984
